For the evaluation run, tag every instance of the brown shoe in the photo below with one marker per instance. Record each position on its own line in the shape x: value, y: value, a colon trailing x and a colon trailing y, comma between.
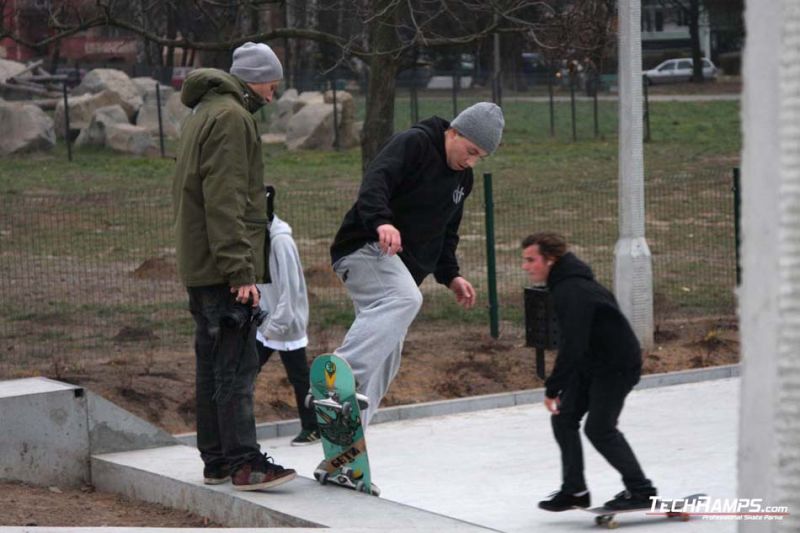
x: 261, y: 473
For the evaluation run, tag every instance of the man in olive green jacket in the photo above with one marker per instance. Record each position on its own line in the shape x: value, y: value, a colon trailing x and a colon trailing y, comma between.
x: 220, y: 221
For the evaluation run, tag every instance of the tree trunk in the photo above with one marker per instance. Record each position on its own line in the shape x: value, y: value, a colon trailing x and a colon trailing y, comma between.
x: 379, y: 119
x: 694, y: 35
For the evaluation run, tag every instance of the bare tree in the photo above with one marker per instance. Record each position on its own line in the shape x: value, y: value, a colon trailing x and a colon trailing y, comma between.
x: 692, y: 10
x: 383, y: 34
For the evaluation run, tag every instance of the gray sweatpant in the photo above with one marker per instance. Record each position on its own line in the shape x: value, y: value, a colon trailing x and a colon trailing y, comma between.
x: 386, y: 300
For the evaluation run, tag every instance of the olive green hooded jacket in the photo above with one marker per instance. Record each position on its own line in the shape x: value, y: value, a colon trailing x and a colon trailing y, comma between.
x: 218, y: 190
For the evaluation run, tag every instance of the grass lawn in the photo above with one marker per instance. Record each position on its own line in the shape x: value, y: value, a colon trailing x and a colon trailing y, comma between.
x: 91, y: 238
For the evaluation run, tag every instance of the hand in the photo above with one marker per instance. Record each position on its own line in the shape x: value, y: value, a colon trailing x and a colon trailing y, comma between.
x: 245, y: 292
x: 552, y: 404
x: 389, y: 239
x: 465, y: 293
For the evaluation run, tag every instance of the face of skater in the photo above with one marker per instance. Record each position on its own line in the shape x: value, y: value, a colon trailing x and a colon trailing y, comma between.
x: 461, y: 152
x: 535, y: 264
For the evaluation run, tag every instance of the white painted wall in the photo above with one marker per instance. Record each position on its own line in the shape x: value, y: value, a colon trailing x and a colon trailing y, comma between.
x: 769, y: 305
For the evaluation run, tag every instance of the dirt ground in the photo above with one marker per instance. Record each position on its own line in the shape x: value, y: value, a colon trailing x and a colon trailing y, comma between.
x: 438, y: 363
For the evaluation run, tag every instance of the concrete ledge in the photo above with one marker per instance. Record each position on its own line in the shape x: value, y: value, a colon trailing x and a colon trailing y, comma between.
x: 287, y: 428
x: 172, y: 476
x: 28, y: 529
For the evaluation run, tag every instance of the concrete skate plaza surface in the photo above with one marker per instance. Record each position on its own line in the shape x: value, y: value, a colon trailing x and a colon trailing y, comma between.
x: 492, y: 467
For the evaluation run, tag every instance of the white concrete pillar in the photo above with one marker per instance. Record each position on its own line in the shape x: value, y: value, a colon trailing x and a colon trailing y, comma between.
x: 769, y: 303
x: 633, y: 270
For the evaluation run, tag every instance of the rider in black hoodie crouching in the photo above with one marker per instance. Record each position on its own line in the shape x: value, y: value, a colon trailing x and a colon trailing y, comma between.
x: 599, y: 361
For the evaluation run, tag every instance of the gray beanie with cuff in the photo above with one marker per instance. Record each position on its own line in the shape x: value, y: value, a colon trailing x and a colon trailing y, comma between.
x: 482, y: 124
x: 256, y: 63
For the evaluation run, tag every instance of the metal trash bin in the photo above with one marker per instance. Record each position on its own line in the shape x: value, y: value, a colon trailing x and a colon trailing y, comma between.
x: 541, y: 326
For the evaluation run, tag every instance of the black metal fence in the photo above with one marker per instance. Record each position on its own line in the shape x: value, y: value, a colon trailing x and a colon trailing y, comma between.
x: 95, y: 274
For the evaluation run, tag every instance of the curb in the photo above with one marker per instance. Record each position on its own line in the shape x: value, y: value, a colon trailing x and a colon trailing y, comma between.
x: 289, y: 428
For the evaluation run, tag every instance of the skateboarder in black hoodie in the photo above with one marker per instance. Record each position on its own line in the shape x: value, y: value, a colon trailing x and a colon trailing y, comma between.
x: 599, y: 361
x: 402, y: 227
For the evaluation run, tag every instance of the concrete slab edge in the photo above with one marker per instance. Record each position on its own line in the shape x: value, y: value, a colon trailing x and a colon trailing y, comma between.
x: 222, y: 507
x: 286, y: 428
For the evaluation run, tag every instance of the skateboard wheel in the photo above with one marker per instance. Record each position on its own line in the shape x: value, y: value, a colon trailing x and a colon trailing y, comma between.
x: 613, y: 524
x: 347, y: 408
x: 309, y: 401
x: 322, y: 477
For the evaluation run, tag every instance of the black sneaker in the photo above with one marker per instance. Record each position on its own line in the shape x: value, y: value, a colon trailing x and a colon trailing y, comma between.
x: 627, y: 500
x: 562, y: 501
x: 216, y: 474
x: 305, y: 437
x: 261, y: 473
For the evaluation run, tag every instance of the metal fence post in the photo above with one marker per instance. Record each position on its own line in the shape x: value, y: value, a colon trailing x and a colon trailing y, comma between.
x: 66, y: 122
x: 737, y: 228
x: 596, y: 85
x: 491, y: 259
x: 646, y: 109
x: 572, y: 106
x: 552, y: 104
x: 160, y: 118
x: 335, y: 116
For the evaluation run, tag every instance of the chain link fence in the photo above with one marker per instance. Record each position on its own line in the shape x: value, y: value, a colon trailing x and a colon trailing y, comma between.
x: 94, y: 275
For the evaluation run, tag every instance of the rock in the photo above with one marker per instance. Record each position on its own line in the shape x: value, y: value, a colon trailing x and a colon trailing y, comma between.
x: 9, y: 69
x: 106, y: 79
x: 308, y: 97
x: 284, y: 109
x: 95, y: 133
x: 273, y: 138
x: 26, y: 128
x: 148, y: 118
x: 349, y: 131
x: 82, y: 108
x: 311, y: 128
x: 130, y: 139
x: 147, y: 90
x: 176, y: 111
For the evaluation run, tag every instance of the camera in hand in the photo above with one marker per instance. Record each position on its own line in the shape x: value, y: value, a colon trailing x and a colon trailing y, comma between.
x: 240, y: 314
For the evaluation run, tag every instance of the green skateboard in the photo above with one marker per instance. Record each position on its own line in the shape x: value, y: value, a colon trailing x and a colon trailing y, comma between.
x: 333, y: 398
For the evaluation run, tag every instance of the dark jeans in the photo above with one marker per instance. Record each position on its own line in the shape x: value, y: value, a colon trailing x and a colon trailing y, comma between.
x: 296, y: 366
x: 602, y: 396
x: 227, y: 365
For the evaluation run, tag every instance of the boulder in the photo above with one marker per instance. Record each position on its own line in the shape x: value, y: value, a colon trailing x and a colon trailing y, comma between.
x: 26, y: 128
x: 147, y: 90
x: 82, y: 108
x: 176, y: 112
x: 349, y: 131
x: 107, y: 79
x: 273, y: 138
x: 130, y: 139
x: 284, y: 109
x: 311, y: 128
x: 9, y: 69
x: 308, y: 97
x: 95, y: 133
x: 148, y: 118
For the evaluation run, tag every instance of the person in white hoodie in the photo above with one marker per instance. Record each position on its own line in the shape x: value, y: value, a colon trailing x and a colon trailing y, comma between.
x: 285, y: 301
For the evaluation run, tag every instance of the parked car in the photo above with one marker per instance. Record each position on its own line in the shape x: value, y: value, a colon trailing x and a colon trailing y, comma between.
x: 678, y: 70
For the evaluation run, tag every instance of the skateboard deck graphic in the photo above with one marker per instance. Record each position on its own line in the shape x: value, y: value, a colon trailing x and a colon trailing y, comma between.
x: 333, y: 398
x: 605, y: 517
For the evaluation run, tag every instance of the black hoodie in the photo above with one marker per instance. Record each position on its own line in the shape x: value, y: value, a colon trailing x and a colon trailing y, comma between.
x: 410, y: 186
x: 596, y: 337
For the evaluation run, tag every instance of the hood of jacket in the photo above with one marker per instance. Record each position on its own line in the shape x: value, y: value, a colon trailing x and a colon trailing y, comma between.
x: 569, y: 266
x: 210, y: 82
x: 434, y: 128
x: 278, y: 227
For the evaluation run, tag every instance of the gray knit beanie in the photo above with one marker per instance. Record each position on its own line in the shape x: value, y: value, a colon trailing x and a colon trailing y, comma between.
x: 482, y: 124
x: 256, y: 63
